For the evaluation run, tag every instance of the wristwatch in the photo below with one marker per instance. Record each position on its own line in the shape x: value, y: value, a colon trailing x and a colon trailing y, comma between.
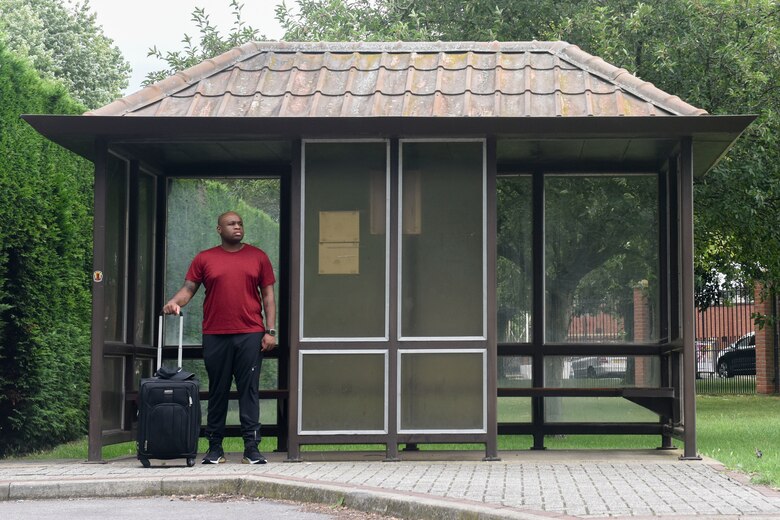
x: 271, y: 332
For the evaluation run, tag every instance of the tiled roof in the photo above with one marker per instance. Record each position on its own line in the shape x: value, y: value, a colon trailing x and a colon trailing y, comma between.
x: 467, y: 79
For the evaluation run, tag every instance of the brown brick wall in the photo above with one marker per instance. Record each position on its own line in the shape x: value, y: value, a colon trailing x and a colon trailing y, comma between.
x: 765, y: 359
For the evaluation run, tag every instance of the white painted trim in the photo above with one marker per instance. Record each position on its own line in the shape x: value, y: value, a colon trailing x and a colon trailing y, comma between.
x: 482, y: 351
x: 386, y: 337
x: 301, y: 353
x: 399, y: 232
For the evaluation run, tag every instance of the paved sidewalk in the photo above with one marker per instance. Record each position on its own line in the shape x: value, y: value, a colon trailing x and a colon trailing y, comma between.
x: 523, y: 485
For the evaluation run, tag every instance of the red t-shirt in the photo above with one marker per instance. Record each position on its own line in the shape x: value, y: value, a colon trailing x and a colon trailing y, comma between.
x: 232, y: 281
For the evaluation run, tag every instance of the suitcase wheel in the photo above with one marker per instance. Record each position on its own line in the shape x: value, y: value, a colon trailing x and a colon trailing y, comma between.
x: 144, y: 462
x: 190, y: 462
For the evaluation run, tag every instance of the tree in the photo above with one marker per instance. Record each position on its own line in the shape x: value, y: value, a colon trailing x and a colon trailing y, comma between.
x: 723, y: 57
x: 66, y: 44
x: 211, y: 43
x: 719, y: 55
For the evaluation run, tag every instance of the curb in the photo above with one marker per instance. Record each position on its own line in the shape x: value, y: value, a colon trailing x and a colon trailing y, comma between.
x: 403, y: 505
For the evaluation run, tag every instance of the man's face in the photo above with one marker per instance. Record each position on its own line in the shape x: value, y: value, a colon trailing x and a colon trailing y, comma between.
x: 231, y: 228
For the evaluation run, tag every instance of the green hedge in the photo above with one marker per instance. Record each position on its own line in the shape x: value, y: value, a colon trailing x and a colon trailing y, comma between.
x: 45, y: 260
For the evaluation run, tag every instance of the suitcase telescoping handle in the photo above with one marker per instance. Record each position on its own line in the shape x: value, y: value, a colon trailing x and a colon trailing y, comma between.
x: 161, y: 339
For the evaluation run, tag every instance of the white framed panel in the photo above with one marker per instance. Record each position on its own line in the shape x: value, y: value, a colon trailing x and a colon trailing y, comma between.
x: 342, y: 396
x: 437, y: 397
x: 305, y: 335
x: 413, y: 212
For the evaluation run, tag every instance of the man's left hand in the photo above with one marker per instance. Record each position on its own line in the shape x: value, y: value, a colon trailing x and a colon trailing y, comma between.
x: 268, y: 343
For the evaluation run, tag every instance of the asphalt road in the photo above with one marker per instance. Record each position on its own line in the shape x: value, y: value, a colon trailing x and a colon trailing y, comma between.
x: 191, y: 507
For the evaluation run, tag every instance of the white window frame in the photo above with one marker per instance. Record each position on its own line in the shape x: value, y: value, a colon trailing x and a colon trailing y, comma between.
x: 402, y: 352
x: 301, y: 431
x: 350, y: 339
x: 399, y: 231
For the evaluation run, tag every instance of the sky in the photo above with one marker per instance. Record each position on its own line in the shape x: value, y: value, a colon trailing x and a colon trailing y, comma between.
x: 138, y: 25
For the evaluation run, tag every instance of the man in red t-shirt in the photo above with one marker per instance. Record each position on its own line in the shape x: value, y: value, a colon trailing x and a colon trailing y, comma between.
x: 239, y: 283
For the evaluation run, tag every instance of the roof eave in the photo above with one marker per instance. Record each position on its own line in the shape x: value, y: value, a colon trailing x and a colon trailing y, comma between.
x: 712, y: 135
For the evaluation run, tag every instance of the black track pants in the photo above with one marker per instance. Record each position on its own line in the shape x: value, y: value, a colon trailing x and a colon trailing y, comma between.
x: 227, y: 356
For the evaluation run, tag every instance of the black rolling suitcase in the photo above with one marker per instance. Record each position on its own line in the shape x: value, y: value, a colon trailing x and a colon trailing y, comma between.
x: 168, y: 411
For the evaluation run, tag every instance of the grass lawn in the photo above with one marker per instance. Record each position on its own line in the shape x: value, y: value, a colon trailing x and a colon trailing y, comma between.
x: 730, y: 429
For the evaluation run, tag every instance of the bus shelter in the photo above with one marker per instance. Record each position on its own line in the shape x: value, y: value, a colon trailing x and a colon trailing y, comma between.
x: 470, y: 239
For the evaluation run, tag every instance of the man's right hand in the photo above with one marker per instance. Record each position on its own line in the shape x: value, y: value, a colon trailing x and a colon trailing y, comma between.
x: 171, y: 308
x: 181, y: 298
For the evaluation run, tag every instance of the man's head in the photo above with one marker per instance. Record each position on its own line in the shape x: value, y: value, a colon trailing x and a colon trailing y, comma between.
x: 230, y: 227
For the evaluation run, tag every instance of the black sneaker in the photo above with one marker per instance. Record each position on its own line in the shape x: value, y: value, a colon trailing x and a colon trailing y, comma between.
x: 253, y: 456
x: 216, y: 455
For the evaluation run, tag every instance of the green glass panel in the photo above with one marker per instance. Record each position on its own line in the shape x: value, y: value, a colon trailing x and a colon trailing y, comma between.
x: 344, y: 251
x: 514, y: 265
x: 514, y: 371
x: 514, y: 409
x: 601, y: 259
x: 193, y: 208
x: 113, y: 395
x: 442, y: 391
x: 602, y: 372
x: 442, y: 229
x: 595, y: 409
x: 144, y: 314
x: 115, y: 270
x: 343, y: 392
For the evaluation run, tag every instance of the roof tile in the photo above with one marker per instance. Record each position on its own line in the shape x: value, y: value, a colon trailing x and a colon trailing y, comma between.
x: 458, y: 79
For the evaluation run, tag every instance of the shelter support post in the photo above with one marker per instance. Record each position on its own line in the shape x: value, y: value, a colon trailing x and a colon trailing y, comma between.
x: 491, y: 446
x: 296, y: 193
x: 537, y: 333
x: 391, y: 447
x: 686, y: 292
x: 95, y: 444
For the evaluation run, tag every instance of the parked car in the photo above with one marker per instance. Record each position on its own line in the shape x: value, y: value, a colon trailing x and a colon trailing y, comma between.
x: 598, y: 366
x: 739, y: 357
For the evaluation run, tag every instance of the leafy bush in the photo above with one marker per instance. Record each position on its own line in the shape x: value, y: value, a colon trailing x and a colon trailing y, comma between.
x: 45, y: 259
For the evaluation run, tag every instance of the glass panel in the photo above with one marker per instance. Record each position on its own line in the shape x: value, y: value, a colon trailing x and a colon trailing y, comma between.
x: 269, y: 373
x: 595, y: 409
x: 442, y: 391
x: 602, y: 371
x: 144, y: 282
x: 345, y: 259
x: 113, y: 395
x: 343, y: 392
x: 514, y: 371
x: 442, y: 239
x: 268, y: 381
x: 115, y: 274
x: 193, y: 208
x: 268, y: 412
x: 601, y: 259
x: 515, y: 261
x: 142, y: 368
x: 514, y: 410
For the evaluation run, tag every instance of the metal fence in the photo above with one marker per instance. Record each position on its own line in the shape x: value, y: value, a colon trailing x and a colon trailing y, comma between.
x: 725, y: 343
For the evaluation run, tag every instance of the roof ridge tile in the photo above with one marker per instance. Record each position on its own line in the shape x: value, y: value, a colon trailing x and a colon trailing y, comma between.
x: 632, y: 84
